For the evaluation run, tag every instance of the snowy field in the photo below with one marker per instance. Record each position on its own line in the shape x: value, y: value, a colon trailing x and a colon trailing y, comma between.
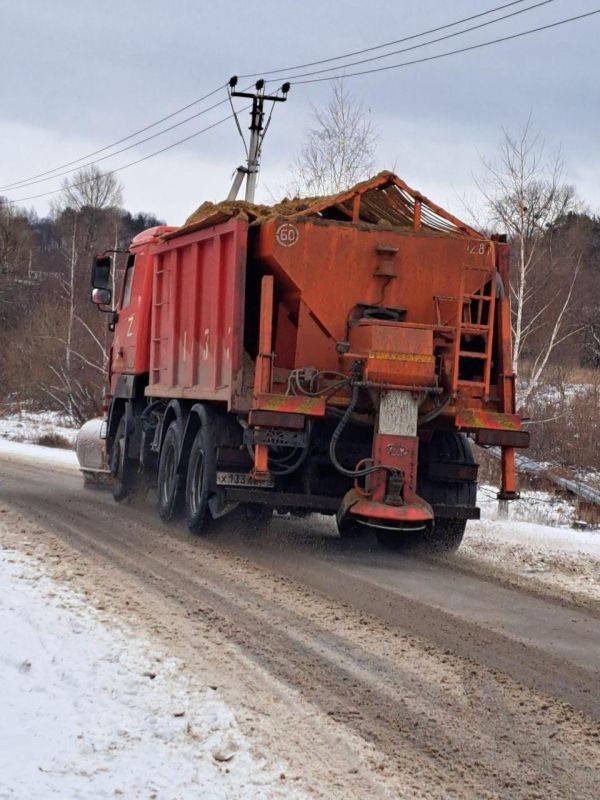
x: 29, y: 426
x: 90, y: 710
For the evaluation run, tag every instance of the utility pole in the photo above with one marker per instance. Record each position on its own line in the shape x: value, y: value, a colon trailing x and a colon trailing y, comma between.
x: 257, y: 133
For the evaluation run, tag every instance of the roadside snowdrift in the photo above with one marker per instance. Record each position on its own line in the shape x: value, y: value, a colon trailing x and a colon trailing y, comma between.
x: 89, y: 710
x: 28, y: 426
x: 25, y: 451
x: 532, y: 550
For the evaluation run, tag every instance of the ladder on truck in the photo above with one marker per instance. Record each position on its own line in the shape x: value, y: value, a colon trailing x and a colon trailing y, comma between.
x: 472, y: 324
x: 159, y: 320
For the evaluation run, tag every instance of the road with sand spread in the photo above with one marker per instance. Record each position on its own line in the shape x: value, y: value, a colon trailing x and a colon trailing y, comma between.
x: 372, y: 674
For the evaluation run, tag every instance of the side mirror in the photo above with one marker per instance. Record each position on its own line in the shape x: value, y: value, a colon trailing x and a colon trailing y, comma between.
x: 101, y: 291
x: 101, y: 266
x: 101, y: 297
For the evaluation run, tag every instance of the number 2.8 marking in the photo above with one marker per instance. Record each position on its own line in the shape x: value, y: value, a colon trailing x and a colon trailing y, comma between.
x: 477, y: 249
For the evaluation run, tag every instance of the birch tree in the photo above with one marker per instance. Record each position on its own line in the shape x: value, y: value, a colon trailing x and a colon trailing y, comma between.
x: 525, y: 195
x: 338, y: 150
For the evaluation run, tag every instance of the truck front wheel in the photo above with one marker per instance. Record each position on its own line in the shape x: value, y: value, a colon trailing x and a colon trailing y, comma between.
x: 123, y: 470
x: 169, y: 483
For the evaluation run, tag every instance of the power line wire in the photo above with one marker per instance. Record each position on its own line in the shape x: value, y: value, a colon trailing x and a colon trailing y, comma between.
x: 119, y: 141
x: 24, y: 184
x: 451, y: 52
x: 386, y: 44
x: 422, y: 44
x: 130, y: 164
x: 32, y: 179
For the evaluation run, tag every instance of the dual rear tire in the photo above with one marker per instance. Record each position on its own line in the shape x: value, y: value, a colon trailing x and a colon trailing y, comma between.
x: 190, y: 489
x: 170, y: 494
x: 200, y: 480
x: 186, y: 485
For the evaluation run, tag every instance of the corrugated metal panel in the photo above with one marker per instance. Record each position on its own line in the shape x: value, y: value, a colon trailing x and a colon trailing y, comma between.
x: 198, y: 313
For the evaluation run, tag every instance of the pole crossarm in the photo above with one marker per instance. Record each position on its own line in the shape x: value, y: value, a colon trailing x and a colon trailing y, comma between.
x: 257, y: 133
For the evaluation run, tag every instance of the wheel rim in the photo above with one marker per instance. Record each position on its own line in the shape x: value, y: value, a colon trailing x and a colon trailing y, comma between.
x: 196, y: 482
x: 169, y: 475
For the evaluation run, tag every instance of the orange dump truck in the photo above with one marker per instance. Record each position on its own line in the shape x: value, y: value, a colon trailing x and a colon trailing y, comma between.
x: 328, y: 355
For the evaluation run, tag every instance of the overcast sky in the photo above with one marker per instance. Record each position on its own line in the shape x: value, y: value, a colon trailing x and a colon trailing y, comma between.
x: 78, y: 75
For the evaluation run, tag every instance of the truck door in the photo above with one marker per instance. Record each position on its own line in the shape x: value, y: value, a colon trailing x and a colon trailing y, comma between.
x: 126, y: 328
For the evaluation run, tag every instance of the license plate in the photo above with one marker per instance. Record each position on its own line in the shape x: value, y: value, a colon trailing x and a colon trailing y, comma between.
x: 242, y: 479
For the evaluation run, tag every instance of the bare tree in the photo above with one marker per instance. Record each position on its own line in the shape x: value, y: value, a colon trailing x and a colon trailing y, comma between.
x: 525, y: 195
x: 592, y: 344
x: 87, y: 216
x: 338, y: 150
x: 90, y: 188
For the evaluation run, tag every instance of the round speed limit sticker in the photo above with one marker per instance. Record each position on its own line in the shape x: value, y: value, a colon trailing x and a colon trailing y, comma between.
x: 287, y: 234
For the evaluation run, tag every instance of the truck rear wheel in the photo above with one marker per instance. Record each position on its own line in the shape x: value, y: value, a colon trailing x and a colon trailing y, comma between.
x: 200, y: 481
x: 439, y: 484
x: 446, y: 535
x: 438, y: 460
x: 123, y: 469
x: 170, y: 494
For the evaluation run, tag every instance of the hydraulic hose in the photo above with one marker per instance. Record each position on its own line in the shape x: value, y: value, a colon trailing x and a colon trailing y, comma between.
x: 435, y: 412
x: 351, y: 473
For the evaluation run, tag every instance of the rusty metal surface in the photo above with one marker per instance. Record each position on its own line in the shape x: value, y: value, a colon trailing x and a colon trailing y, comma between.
x: 474, y: 418
x: 410, y: 513
x: 309, y: 406
x: 330, y: 268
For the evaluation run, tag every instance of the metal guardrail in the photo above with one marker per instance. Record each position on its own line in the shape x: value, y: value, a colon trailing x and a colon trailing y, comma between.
x: 529, y: 467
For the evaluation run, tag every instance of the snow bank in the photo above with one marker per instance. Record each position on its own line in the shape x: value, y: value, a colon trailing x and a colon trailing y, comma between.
x: 28, y: 426
x: 35, y: 452
x: 544, y: 508
x: 89, y: 710
x: 560, y: 561
x: 545, y: 538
